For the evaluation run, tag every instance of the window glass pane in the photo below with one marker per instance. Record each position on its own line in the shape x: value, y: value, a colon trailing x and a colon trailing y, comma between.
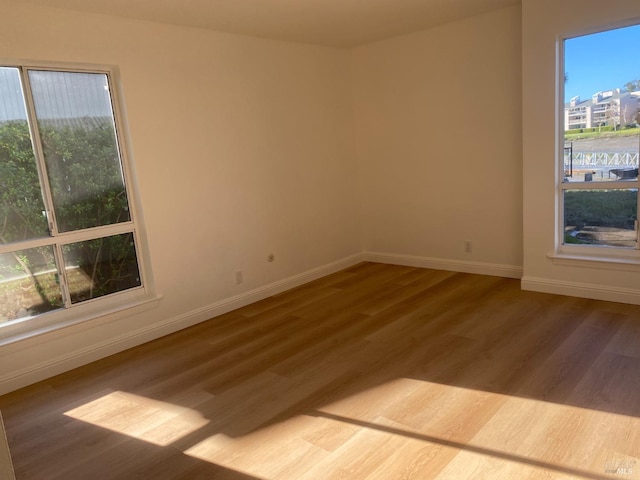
x: 78, y: 137
x: 102, y: 266
x: 601, y: 217
x: 28, y: 283
x: 602, y: 106
x: 21, y: 206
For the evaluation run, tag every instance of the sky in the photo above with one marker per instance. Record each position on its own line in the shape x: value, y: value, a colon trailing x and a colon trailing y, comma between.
x: 601, y: 61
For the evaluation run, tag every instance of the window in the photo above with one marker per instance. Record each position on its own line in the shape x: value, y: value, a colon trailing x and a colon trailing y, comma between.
x: 69, y: 241
x: 598, y: 188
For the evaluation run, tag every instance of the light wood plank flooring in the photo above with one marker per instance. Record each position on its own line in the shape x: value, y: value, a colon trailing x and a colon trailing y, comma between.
x: 376, y: 372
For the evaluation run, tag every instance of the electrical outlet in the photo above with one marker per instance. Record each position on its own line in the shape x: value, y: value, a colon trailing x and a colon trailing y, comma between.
x: 468, y: 246
x: 239, y: 277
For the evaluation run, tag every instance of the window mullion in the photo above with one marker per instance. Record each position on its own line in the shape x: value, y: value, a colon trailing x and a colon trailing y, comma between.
x: 26, y: 244
x: 39, y: 154
x: 95, y: 232
x: 612, y: 185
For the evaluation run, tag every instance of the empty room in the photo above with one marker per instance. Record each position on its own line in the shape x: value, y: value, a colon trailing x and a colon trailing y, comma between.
x: 318, y: 239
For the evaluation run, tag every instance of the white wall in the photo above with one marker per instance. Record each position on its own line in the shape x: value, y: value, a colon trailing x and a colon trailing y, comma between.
x: 438, y: 129
x: 243, y: 147
x: 544, y: 23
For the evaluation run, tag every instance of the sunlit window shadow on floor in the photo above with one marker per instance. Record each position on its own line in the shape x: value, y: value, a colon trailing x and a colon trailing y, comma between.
x: 509, y: 439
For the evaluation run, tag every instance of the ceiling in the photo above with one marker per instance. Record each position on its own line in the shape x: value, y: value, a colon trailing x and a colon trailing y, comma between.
x: 338, y: 23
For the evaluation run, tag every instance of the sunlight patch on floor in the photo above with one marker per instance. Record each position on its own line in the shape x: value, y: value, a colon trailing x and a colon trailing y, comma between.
x: 153, y: 421
x: 441, y: 431
x: 455, y: 431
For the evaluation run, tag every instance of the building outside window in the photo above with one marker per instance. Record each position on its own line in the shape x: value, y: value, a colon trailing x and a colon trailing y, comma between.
x: 613, y: 108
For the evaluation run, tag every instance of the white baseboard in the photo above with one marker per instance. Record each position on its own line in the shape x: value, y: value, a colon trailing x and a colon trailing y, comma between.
x: 481, y: 268
x: 34, y: 373
x: 582, y: 290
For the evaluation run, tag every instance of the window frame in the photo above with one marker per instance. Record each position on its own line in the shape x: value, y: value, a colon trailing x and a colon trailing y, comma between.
x: 72, y: 314
x: 570, y: 252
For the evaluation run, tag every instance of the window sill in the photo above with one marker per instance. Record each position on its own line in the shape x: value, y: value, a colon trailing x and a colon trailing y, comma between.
x: 19, y: 338
x: 629, y: 264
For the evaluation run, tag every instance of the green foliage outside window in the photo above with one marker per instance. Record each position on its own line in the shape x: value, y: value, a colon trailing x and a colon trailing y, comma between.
x: 88, y: 191
x: 85, y: 175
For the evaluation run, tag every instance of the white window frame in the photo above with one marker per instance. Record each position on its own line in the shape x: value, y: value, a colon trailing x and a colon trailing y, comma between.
x: 115, y: 303
x: 601, y: 254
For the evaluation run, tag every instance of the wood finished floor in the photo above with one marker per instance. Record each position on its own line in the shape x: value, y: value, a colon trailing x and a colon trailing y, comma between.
x: 376, y: 372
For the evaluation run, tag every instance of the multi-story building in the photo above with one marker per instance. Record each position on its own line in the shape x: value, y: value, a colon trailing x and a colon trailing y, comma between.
x: 612, y: 107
